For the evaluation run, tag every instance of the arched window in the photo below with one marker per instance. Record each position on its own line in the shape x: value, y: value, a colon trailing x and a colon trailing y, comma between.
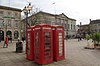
x: 1, y: 35
x: 9, y: 33
x: 16, y: 34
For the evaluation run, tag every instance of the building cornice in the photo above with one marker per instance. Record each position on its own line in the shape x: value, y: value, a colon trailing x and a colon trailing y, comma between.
x: 10, y: 8
x: 55, y: 15
x: 95, y: 21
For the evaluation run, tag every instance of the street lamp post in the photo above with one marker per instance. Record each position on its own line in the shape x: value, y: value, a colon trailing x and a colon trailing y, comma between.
x: 26, y: 11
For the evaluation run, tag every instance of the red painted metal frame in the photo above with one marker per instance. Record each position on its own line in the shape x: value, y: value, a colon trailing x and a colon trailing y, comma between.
x: 41, y: 30
x: 30, y: 45
x: 56, y: 30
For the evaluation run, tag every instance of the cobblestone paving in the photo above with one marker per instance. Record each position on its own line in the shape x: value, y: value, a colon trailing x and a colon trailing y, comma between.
x: 75, y: 55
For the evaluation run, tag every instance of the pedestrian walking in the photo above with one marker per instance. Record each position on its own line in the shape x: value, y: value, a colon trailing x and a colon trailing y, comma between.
x: 0, y: 39
x: 23, y: 39
x: 5, y: 42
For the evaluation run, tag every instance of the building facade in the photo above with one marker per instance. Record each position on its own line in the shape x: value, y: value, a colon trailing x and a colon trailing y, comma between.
x: 71, y: 28
x: 83, y: 30
x: 94, y: 25
x: 52, y: 19
x: 10, y: 22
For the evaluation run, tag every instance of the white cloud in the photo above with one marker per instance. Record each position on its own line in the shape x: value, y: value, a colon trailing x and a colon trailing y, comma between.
x: 81, y: 10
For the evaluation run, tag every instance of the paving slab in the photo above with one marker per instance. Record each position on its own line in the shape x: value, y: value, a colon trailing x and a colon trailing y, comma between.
x: 75, y: 55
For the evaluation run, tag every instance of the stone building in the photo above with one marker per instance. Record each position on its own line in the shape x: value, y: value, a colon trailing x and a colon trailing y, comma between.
x: 52, y: 19
x: 71, y: 27
x: 94, y: 25
x: 9, y: 22
x: 83, y: 30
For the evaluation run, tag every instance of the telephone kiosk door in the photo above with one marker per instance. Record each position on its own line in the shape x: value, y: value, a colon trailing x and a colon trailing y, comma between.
x: 30, y: 43
x: 58, y: 43
x: 43, y: 44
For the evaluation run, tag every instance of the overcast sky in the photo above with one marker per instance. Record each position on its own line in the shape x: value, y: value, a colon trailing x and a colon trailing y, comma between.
x: 81, y: 10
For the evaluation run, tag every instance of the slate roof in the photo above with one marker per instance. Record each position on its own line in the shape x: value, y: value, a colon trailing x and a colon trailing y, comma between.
x: 10, y: 8
x: 95, y: 21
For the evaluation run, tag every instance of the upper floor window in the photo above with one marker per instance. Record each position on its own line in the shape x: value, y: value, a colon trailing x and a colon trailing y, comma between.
x: 65, y: 26
x: 58, y: 21
x: 16, y: 14
x: 9, y: 13
x: 16, y: 23
x: 1, y: 23
x: 71, y: 26
x: 74, y: 26
x: 68, y: 26
x: 98, y: 24
x: 9, y: 22
x: 62, y: 22
x: 1, y: 12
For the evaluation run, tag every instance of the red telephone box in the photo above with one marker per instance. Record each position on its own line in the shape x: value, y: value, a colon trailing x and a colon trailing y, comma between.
x: 58, y: 43
x: 43, y: 50
x: 30, y: 43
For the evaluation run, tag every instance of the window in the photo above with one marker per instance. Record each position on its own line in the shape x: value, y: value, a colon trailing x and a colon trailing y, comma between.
x: 1, y: 23
x: 74, y: 26
x: 98, y: 24
x: 16, y: 23
x: 47, y: 45
x: 68, y: 26
x: 15, y: 14
x: 65, y: 26
x: 1, y: 13
x: 58, y: 21
x: 9, y: 13
x: 16, y: 35
x: 9, y: 22
x: 60, y: 44
x: 71, y: 26
x: 62, y: 21
x: 28, y: 41
x: 37, y: 46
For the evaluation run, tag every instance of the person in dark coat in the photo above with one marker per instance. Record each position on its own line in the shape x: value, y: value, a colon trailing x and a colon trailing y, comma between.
x: 23, y: 39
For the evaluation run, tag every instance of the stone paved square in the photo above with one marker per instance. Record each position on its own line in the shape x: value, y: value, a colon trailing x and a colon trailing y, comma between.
x: 75, y: 55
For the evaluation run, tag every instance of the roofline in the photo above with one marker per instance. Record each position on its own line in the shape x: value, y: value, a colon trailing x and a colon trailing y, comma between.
x: 72, y: 19
x: 51, y: 14
x: 85, y: 25
x: 10, y: 8
x: 41, y: 12
x: 68, y: 17
x: 94, y: 21
x: 46, y: 13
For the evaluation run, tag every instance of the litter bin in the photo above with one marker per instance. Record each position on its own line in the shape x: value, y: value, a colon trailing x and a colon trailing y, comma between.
x: 19, y: 47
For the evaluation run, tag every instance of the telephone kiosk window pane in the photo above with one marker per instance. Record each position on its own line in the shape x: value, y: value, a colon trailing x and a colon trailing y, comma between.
x: 37, y: 45
x: 47, y: 45
x: 60, y: 44
x: 28, y: 43
x: 37, y: 40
